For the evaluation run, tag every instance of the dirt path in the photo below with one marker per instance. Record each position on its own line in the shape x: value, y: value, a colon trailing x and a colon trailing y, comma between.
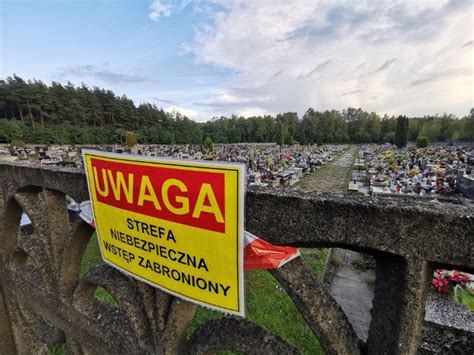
x: 331, y: 177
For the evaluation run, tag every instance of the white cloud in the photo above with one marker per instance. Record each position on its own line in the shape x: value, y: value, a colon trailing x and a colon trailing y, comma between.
x: 159, y: 8
x: 252, y: 111
x: 385, y: 56
x: 183, y: 111
x: 225, y: 97
x: 167, y: 7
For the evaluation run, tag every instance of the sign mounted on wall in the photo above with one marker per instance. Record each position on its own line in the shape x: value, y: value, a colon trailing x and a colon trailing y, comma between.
x: 177, y: 225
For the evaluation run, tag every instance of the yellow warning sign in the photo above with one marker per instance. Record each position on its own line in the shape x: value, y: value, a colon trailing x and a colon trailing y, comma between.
x: 177, y: 225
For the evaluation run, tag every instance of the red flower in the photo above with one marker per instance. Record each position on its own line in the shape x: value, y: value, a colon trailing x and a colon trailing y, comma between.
x: 465, y: 278
x: 440, y: 284
x: 456, y: 276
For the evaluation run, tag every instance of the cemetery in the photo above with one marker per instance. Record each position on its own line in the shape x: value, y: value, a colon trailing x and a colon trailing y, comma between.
x: 407, y: 316
x: 236, y: 177
x: 435, y: 172
x: 268, y: 164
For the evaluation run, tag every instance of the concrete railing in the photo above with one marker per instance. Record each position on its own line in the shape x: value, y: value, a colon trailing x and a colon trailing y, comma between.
x: 44, y: 299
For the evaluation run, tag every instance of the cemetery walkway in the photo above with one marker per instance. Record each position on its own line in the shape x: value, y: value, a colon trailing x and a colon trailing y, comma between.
x: 331, y: 177
x: 352, y: 289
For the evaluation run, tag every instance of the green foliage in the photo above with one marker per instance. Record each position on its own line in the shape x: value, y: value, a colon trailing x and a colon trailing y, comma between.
x: 130, y: 139
x: 269, y: 306
x: 389, y: 138
x: 335, y: 259
x: 316, y: 258
x: 68, y: 114
x: 456, y: 136
x: 208, y: 145
x: 364, y: 262
x: 401, y: 132
x: 422, y: 142
x: 319, y: 140
x: 57, y: 349
x: 18, y: 143
x: 464, y: 296
x: 289, y: 140
x: 102, y: 295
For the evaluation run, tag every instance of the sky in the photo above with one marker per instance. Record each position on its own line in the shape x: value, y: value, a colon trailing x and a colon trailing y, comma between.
x: 218, y: 57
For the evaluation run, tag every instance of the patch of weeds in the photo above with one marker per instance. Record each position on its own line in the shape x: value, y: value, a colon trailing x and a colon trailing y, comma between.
x: 316, y: 258
x: 365, y: 262
x: 335, y: 259
x: 57, y: 349
x: 371, y: 280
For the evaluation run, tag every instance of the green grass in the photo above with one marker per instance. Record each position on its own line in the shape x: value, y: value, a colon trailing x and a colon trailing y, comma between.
x: 269, y: 306
x: 316, y: 258
x: 57, y: 349
x: 91, y: 256
x: 329, y: 177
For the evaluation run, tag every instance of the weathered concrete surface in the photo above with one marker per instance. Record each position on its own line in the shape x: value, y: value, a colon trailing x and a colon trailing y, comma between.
x: 380, y: 227
x: 6, y: 337
x: 220, y: 334
x: 316, y: 305
x: 351, y: 289
x: 70, y: 181
x: 40, y: 281
x: 368, y: 224
x: 441, y: 309
x: 446, y: 322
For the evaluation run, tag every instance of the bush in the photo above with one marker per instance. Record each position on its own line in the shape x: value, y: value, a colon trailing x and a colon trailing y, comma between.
x: 18, y: 143
x: 389, y: 137
x: 130, y: 139
x: 364, y: 262
x: 422, y: 142
x: 208, y: 144
x: 289, y: 140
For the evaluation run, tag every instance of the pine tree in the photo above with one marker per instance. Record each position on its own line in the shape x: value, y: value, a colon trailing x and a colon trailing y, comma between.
x: 208, y: 145
x: 401, y: 132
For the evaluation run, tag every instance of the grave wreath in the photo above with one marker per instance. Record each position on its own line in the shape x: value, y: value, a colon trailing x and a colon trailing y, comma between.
x: 460, y: 284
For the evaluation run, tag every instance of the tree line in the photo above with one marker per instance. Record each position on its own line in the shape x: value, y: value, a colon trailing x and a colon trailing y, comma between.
x: 34, y: 112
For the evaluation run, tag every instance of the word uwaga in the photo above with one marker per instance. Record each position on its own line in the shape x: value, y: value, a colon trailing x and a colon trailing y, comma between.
x: 163, y: 253
x: 171, y: 196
